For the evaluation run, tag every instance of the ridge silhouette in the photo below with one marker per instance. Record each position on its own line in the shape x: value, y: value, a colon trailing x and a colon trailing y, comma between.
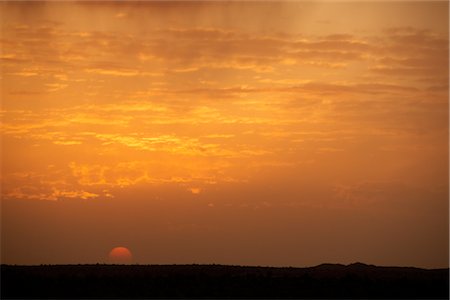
x: 357, y: 280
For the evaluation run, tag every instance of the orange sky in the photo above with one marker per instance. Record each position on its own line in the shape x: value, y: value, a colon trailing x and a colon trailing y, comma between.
x: 252, y: 133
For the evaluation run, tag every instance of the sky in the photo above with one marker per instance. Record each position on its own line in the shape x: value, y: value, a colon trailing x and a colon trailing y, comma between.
x: 282, y: 133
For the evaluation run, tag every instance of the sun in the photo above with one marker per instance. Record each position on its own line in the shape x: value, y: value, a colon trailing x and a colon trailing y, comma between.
x: 120, y: 255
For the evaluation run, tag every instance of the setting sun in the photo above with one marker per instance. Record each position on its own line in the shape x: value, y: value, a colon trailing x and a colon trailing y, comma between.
x: 120, y: 255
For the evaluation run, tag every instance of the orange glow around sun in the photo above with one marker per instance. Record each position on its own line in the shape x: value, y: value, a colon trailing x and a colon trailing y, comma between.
x: 120, y: 255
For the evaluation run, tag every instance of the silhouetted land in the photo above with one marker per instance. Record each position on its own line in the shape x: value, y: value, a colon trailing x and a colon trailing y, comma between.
x: 219, y: 281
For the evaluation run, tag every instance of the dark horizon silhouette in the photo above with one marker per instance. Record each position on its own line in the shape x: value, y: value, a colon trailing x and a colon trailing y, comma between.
x: 356, y: 280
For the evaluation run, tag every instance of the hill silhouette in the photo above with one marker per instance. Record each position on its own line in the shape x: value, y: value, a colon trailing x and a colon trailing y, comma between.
x: 221, y: 281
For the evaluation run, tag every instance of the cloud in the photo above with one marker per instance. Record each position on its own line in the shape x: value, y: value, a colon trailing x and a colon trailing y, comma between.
x: 391, y: 196
x: 195, y: 190
x: 210, y: 98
